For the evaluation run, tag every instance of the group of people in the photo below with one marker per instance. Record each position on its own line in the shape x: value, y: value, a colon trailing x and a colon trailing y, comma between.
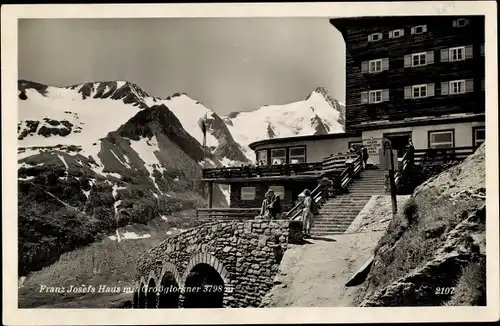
x: 271, y: 209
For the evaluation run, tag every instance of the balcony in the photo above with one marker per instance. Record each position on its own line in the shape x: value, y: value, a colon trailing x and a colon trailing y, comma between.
x: 278, y: 171
x: 331, y: 165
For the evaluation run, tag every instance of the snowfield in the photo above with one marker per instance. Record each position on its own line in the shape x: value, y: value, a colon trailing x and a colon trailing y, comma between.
x: 288, y: 120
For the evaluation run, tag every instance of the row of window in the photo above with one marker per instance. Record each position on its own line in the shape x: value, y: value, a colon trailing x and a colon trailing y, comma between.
x: 458, y: 53
x: 415, y: 30
x: 279, y: 155
x: 248, y: 193
x: 445, y: 138
x: 452, y: 87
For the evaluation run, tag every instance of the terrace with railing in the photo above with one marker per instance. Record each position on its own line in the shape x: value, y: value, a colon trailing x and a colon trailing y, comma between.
x: 333, y: 173
x: 428, y: 157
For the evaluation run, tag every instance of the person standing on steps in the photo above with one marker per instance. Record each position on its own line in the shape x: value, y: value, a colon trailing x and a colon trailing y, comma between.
x: 307, y: 215
x: 410, y: 152
x: 364, y: 155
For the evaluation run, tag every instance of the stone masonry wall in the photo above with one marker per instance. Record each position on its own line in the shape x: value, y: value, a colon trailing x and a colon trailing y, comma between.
x: 246, y: 254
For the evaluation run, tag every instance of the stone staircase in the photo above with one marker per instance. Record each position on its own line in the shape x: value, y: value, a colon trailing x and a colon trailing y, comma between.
x: 337, y: 213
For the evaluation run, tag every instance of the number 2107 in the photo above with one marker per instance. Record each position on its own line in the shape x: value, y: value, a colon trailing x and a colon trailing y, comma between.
x: 449, y: 290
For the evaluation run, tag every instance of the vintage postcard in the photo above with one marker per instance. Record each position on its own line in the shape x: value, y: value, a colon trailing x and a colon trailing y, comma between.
x: 317, y: 162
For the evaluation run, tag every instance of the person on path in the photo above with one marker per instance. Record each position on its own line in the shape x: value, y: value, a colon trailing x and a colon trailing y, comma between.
x: 307, y: 215
x: 410, y: 152
x: 364, y: 155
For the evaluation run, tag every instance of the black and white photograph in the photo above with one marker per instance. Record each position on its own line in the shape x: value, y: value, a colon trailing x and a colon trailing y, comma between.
x: 336, y: 160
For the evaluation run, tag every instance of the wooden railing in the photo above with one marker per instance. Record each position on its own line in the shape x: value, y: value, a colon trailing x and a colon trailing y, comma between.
x: 227, y: 213
x: 435, y: 156
x: 263, y: 171
x: 405, y: 165
x: 296, y: 211
x: 351, y: 168
x: 442, y: 155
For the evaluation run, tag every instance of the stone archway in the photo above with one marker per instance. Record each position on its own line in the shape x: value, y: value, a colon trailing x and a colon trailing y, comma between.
x: 205, y: 282
x: 135, y: 300
x: 204, y: 288
x: 142, y: 296
x: 169, y: 290
x: 151, y: 294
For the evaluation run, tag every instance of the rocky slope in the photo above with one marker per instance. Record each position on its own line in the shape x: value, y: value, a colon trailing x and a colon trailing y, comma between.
x: 434, y: 250
x: 319, y: 113
x: 95, y: 157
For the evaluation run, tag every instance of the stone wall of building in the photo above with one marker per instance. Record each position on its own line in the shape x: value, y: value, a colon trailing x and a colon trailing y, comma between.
x: 246, y: 254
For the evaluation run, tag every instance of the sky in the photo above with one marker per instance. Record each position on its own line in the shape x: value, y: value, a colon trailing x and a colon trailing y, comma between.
x: 228, y: 64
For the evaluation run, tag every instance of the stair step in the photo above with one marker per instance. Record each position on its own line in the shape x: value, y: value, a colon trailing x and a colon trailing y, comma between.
x: 342, y: 220
x: 322, y: 233
x: 341, y: 213
x: 331, y: 224
x: 330, y: 227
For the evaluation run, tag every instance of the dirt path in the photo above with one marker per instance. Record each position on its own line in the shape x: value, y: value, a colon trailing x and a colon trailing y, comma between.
x: 316, y: 272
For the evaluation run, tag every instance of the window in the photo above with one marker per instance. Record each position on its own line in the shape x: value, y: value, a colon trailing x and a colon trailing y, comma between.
x: 457, y: 87
x: 247, y: 193
x: 478, y: 136
x: 396, y: 33
x: 441, y: 139
x: 419, y: 29
x: 262, y: 156
x: 419, y: 91
x: 460, y: 22
x: 278, y: 156
x: 374, y: 37
x: 297, y: 155
x: 457, y: 54
x: 418, y: 59
x: 375, y: 65
x: 278, y: 191
x: 375, y: 96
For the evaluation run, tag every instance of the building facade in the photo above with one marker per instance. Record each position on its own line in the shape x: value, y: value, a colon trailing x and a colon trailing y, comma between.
x: 418, y: 78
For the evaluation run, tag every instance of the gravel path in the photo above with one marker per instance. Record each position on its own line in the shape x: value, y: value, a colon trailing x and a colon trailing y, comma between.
x: 316, y: 272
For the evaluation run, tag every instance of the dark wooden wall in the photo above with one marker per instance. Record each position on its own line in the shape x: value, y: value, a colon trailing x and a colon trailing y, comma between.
x: 292, y: 190
x: 440, y: 34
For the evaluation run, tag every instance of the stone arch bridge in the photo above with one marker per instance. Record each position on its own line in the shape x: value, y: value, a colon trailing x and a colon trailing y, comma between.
x: 218, y: 264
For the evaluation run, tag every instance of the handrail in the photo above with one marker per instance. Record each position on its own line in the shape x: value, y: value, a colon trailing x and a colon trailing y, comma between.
x: 353, y: 168
x: 301, y: 203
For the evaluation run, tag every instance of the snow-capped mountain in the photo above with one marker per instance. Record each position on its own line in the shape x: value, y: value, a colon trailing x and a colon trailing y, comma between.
x: 114, y: 103
x: 97, y: 156
x: 319, y: 113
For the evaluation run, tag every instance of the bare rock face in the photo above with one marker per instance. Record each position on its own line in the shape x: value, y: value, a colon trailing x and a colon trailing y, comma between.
x: 433, y: 246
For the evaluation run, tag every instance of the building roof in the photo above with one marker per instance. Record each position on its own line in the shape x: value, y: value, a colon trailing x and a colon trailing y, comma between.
x: 302, y: 138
